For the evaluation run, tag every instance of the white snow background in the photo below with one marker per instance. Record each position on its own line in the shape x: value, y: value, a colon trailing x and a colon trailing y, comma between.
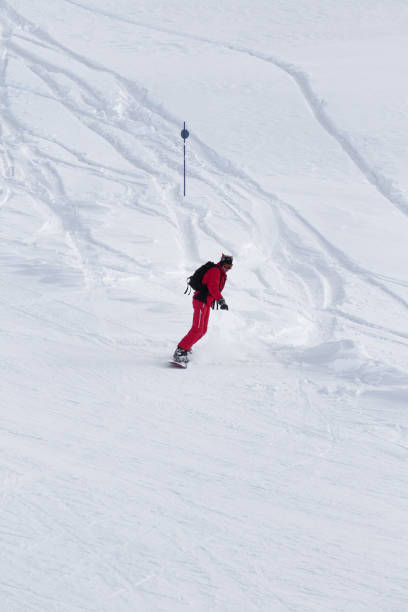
x: 271, y: 475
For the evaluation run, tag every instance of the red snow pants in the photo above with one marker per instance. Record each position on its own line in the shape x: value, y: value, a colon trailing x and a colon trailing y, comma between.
x: 199, y: 326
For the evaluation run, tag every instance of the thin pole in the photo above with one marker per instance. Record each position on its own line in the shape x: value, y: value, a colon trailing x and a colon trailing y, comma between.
x: 184, y: 134
x: 184, y: 164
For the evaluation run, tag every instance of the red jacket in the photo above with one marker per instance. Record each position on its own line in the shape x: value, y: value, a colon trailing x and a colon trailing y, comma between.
x: 214, y: 282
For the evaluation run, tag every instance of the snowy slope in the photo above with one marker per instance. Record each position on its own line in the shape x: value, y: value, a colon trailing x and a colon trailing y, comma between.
x: 271, y: 474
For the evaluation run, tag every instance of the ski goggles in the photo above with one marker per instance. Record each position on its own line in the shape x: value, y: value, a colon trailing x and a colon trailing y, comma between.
x: 227, y: 266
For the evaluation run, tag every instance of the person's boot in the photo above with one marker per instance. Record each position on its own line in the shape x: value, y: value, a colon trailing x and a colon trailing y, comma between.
x: 180, y: 355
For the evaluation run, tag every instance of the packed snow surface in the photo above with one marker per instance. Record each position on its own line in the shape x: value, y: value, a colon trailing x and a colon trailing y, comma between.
x: 271, y: 474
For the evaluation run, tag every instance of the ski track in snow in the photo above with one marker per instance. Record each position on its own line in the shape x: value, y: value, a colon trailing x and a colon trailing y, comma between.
x: 323, y: 278
x: 123, y: 547
x: 313, y: 100
x: 320, y: 286
x: 320, y: 283
x: 381, y: 183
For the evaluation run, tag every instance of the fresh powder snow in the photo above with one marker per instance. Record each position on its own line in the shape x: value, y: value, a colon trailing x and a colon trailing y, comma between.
x: 271, y: 474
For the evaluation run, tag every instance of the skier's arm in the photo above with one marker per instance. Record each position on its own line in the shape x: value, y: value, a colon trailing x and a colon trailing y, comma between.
x: 213, y: 283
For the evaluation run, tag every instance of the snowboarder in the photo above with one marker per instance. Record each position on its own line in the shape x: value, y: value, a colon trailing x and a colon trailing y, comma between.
x: 213, y: 283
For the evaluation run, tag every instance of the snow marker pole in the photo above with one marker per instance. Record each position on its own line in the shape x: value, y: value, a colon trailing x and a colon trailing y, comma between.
x: 184, y: 134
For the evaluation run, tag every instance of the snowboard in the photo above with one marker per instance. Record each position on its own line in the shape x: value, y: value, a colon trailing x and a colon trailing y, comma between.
x: 178, y: 364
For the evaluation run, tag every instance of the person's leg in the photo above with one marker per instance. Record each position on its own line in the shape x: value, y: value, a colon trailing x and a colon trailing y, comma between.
x: 199, y: 326
x: 205, y: 320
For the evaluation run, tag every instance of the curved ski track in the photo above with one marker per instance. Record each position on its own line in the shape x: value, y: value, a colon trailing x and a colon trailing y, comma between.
x: 301, y: 435
x: 317, y: 273
x: 329, y: 279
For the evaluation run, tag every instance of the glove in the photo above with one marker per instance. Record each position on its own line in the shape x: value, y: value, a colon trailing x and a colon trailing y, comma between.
x: 222, y: 304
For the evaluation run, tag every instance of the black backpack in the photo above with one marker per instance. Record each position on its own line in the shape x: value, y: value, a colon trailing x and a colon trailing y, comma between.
x: 195, y: 281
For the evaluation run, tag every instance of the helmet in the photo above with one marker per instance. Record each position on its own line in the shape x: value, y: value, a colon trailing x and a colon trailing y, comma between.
x: 226, y: 261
